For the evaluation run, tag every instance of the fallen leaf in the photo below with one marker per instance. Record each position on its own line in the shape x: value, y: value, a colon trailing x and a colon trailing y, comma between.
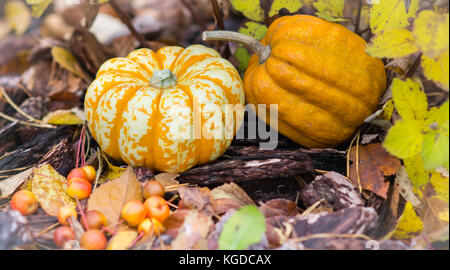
x: 18, y: 16
x: 195, y: 228
x: 9, y: 185
x: 223, y: 205
x: 231, y: 191
x: 409, y: 224
x: 122, y: 240
x: 374, y: 163
x: 197, y: 198
x: 167, y: 179
x: 245, y: 227
x: 65, y: 117
x: 174, y: 221
x: 440, y: 185
x: 66, y: 59
x: 49, y: 188
x: 279, y: 207
x: 406, y: 187
x: 110, y: 197
x: 112, y: 172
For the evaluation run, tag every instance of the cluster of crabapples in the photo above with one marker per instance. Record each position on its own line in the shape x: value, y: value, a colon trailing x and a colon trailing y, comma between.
x: 148, y: 216
x: 79, y: 180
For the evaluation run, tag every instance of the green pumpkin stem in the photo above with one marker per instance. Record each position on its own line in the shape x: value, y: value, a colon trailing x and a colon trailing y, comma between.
x: 163, y: 79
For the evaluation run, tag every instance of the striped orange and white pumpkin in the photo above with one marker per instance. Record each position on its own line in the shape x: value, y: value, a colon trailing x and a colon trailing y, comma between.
x: 138, y: 106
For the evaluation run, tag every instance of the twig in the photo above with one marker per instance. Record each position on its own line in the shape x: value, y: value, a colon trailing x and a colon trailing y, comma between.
x: 330, y: 235
x: 217, y: 15
x: 194, y: 14
x: 358, y: 17
x: 19, y: 110
x: 12, y: 119
x: 221, y: 25
x: 357, y: 163
x: 126, y: 20
x: 414, y: 66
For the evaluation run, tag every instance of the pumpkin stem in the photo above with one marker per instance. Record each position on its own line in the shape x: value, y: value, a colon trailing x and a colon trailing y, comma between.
x: 163, y: 79
x: 253, y: 44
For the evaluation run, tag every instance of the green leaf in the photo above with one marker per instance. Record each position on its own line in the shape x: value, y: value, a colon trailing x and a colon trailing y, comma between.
x: 404, y: 139
x: 386, y: 14
x: 243, y: 56
x: 439, y: 116
x: 246, y: 227
x: 252, y: 29
x: 416, y: 171
x: 392, y: 43
x: 291, y: 5
x: 249, y: 8
x: 253, y: 11
x: 437, y: 69
x: 431, y: 33
x: 435, y: 149
x: 330, y: 10
x: 410, y: 102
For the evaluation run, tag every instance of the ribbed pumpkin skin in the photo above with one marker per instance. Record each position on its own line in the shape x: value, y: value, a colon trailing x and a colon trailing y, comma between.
x: 324, y: 83
x: 141, y: 125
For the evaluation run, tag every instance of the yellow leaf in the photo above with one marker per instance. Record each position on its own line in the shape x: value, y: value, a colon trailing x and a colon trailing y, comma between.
x: 440, y: 185
x: 110, y: 197
x: 38, y: 7
x: 388, y: 110
x: 410, y: 101
x: 63, y: 117
x: 18, y: 16
x: 66, y: 59
x: 431, y: 33
x: 112, y: 172
x: 249, y: 8
x: 404, y: 139
x: 121, y: 240
x: 49, y: 188
x: 443, y: 216
x: 416, y: 170
x: 392, y: 43
x: 291, y: 5
x: 330, y: 10
x: 437, y: 69
x: 386, y: 14
x: 409, y: 224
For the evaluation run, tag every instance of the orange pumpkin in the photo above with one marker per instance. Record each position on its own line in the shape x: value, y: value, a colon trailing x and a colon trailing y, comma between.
x: 318, y: 73
x: 140, y: 108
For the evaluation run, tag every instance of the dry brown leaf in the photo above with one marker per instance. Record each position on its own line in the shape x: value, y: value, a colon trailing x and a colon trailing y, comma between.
x: 195, y: 228
x: 221, y: 206
x: 374, y: 164
x: 110, y: 197
x: 197, y: 198
x: 279, y: 207
x: 49, y: 188
x: 167, y: 179
x: 8, y: 186
x: 232, y: 191
x: 122, y: 240
x: 174, y: 221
